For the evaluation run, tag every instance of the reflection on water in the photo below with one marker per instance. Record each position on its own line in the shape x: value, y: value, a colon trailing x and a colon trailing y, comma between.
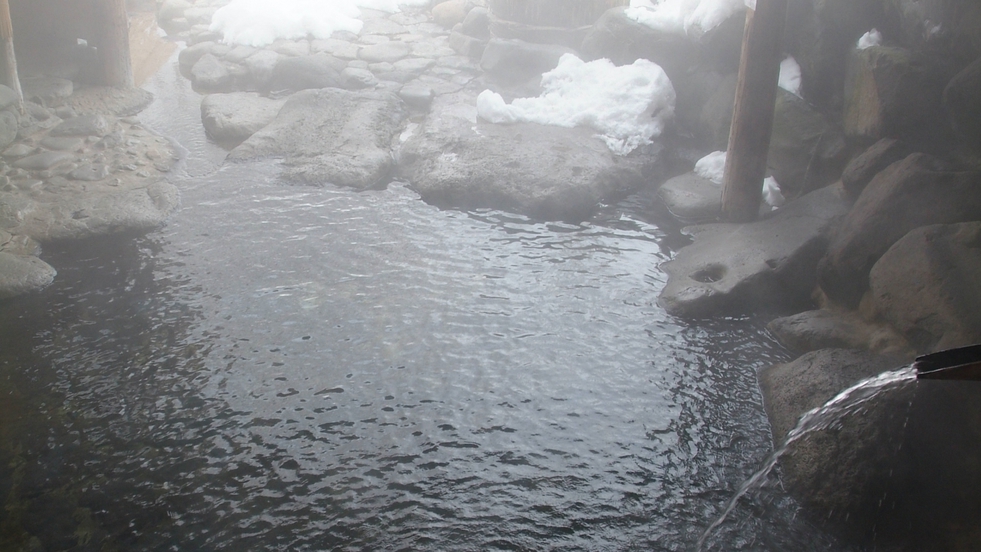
x: 317, y: 369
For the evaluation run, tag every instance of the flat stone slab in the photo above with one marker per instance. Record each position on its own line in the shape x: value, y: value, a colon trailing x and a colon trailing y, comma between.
x: 692, y: 198
x: 236, y: 116
x: 43, y: 161
x: 83, y: 215
x: 770, y: 263
x: 546, y: 172
x: 83, y: 125
x: 21, y: 274
x: 926, y: 285
x: 62, y: 144
x: 331, y: 136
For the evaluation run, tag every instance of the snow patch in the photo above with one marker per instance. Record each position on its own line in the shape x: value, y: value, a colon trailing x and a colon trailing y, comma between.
x: 712, y: 166
x: 772, y: 194
x: 626, y: 105
x: 869, y: 39
x: 683, y: 16
x: 790, y: 76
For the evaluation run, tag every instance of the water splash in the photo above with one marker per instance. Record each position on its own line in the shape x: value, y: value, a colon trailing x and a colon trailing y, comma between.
x: 829, y: 415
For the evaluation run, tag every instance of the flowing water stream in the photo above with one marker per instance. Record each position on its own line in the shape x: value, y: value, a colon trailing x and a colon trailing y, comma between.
x: 285, y: 368
x: 850, y: 402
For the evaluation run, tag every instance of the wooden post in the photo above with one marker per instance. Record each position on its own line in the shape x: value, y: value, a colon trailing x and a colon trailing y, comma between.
x: 752, y: 118
x: 10, y: 76
x: 117, y: 67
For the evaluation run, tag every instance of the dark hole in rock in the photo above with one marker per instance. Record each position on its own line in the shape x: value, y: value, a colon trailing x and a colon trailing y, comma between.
x: 709, y: 274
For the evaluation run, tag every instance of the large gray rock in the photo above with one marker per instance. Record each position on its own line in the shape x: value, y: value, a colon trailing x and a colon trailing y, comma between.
x: 824, y: 329
x: 232, y: 118
x: 209, y: 73
x: 306, y: 72
x: 927, y: 286
x: 517, y: 60
x: 899, y: 472
x: 548, y: 172
x: 331, y: 136
x: 83, y: 215
x: 820, y: 36
x: 713, y: 117
x: 190, y: 55
x: 807, y: 149
x: 742, y: 267
x: 962, y: 99
x: 477, y: 24
x: 911, y: 193
x: 261, y: 66
x: 21, y: 274
x: 896, y: 93
x: 863, y: 168
x: 840, y: 474
x: 449, y: 13
x: 950, y: 28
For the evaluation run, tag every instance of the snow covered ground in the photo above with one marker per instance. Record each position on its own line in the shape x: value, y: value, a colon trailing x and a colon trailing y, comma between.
x: 683, y: 16
x: 260, y: 22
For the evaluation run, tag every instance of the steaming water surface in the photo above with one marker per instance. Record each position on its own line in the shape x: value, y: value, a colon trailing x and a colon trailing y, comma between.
x: 286, y: 368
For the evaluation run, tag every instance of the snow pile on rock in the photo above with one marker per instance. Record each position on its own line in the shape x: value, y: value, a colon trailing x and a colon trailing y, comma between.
x: 626, y: 105
x: 712, y: 166
x: 869, y: 39
x: 260, y: 22
x: 790, y: 76
x: 683, y: 16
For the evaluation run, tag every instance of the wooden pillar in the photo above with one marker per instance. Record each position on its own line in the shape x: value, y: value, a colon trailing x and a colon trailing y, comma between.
x: 752, y: 118
x: 117, y: 67
x: 10, y: 76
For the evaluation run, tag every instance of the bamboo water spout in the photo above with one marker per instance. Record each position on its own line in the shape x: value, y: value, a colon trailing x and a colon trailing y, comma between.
x: 963, y: 363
